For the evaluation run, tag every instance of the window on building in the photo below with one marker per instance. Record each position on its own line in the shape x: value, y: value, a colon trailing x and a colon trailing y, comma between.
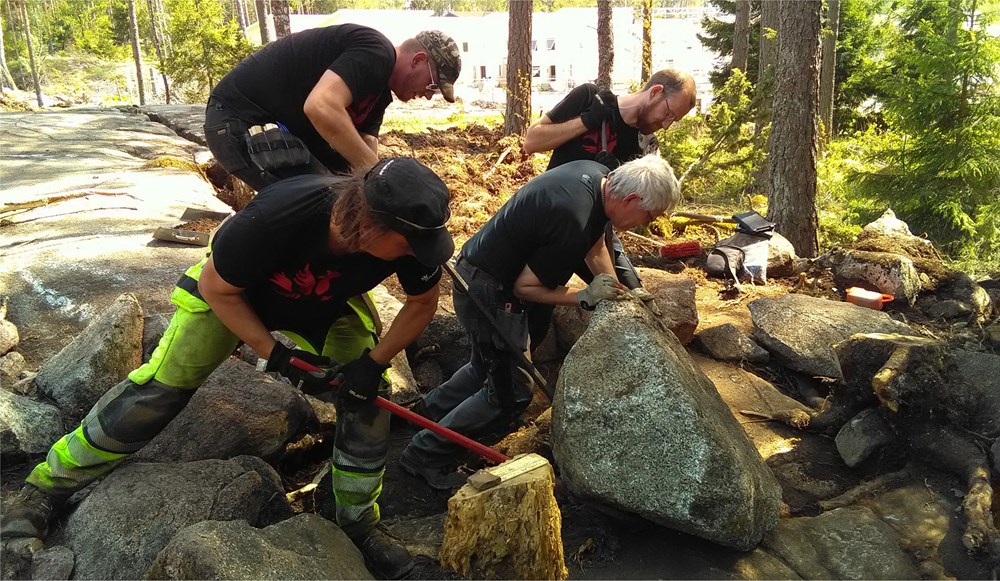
x: 465, y: 47
x: 534, y: 45
x: 550, y: 44
x: 482, y: 71
x: 536, y: 72
x: 552, y: 72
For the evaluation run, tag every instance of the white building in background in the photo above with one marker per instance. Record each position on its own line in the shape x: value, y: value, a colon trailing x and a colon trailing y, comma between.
x: 564, y: 46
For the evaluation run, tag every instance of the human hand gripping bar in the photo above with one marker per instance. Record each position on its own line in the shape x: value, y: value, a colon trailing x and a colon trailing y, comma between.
x: 451, y: 435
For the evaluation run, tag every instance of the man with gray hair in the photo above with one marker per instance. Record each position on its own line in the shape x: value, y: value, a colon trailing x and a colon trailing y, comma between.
x: 524, y: 255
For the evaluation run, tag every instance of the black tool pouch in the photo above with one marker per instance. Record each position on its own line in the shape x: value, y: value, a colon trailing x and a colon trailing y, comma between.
x: 272, y: 148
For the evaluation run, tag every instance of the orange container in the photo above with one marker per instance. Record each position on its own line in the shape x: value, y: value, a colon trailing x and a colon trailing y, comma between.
x: 866, y: 298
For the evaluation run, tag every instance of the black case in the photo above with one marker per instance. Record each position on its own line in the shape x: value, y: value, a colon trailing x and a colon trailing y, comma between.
x: 753, y: 223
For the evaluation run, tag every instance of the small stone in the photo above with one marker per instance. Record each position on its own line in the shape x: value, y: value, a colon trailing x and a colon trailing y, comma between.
x: 948, y: 309
x: 53, y: 563
x: 11, y: 366
x: 865, y: 434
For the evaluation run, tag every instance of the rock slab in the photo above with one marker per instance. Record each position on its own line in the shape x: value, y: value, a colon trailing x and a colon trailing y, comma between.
x: 306, y: 546
x: 638, y: 426
x: 801, y: 331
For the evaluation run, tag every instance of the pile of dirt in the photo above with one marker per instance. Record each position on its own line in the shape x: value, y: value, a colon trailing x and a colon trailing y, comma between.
x: 481, y: 167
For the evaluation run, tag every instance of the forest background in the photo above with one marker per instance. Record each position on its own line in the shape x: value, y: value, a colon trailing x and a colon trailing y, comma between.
x: 825, y: 114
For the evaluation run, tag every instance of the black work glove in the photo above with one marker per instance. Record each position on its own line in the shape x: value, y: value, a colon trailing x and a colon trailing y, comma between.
x: 359, y: 380
x: 608, y: 159
x: 280, y: 361
x: 596, y: 114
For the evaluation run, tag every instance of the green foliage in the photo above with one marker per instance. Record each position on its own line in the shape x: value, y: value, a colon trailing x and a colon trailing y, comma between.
x: 205, y: 46
x: 720, y: 151
x: 940, y: 173
x: 864, y: 36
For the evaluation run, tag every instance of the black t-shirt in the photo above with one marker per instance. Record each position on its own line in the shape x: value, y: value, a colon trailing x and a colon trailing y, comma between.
x: 277, y: 248
x: 623, y: 140
x: 549, y: 225
x: 272, y: 84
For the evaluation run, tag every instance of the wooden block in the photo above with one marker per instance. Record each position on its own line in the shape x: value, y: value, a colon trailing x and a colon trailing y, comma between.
x: 511, y: 530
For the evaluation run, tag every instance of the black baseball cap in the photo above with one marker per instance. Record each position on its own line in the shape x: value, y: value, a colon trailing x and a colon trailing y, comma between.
x: 412, y: 200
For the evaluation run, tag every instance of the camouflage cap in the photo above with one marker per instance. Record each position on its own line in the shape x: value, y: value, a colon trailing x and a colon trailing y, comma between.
x: 444, y: 52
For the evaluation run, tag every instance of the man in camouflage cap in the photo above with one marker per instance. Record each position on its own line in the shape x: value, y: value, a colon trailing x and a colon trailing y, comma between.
x: 444, y: 52
x: 312, y: 102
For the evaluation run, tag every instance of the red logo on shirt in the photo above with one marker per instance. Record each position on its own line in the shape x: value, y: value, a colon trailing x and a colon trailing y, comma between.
x: 304, y: 283
x: 359, y: 110
x: 591, y: 141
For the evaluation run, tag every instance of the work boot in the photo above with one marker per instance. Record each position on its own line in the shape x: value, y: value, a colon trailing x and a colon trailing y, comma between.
x: 29, y: 513
x: 437, y: 477
x: 384, y: 554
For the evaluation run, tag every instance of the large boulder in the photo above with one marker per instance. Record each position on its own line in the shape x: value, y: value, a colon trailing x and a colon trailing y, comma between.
x: 884, y: 272
x: 675, y: 298
x: 100, y: 357
x: 847, y: 543
x: 34, y: 426
x: 638, y: 426
x: 306, y: 546
x: 674, y: 295
x: 922, y: 378
x: 801, y: 330
x: 238, y: 411
x: 121, y: 526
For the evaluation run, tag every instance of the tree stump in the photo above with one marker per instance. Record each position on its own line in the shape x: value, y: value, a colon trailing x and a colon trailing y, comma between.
x: 510, y: 531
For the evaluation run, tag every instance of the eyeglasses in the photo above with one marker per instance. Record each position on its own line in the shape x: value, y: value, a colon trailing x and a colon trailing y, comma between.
x: 670, y: 114
x: 433, y: 86
x: 409, y: 224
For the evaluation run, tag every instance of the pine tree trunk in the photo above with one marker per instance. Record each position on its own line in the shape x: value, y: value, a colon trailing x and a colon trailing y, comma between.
x: 6, y: 80
x: 792, y: 152
x: 157, y: 35
x: 605, y: 44
x: 518, y: 113
x: 741, y: 36
x: 828, y: 68
x: 31, y: 51
x: 241, y: 16
x: 765, y: 81
x: 282, y: 20
x: 265, y: 31
x: 133, y: 32
x: 647, y: 41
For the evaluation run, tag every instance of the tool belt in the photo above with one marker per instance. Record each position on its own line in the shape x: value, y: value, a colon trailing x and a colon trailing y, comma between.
x: 272, y: 147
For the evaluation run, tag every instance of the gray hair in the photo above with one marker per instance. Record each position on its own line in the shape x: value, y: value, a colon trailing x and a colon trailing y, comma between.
x: 652, y: 178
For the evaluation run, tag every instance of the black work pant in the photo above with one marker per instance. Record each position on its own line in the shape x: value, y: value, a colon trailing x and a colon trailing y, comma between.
x: 492, y: 390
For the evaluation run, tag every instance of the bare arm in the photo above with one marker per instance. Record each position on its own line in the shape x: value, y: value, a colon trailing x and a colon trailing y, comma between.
x: 372, y: 142
x: 528, y: 287
x: 409, y: 323
x: 599, y: 260
x: 326, y: 107
x: 544, y: 135
x: 230, y: 306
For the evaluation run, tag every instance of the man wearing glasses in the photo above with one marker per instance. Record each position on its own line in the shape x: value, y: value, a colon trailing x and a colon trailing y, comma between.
x: 593, y: 124
x: 313, y: 101
x: 526, y: 254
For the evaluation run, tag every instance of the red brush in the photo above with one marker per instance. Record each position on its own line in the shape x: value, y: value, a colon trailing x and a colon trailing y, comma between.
x: 681, y: 249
